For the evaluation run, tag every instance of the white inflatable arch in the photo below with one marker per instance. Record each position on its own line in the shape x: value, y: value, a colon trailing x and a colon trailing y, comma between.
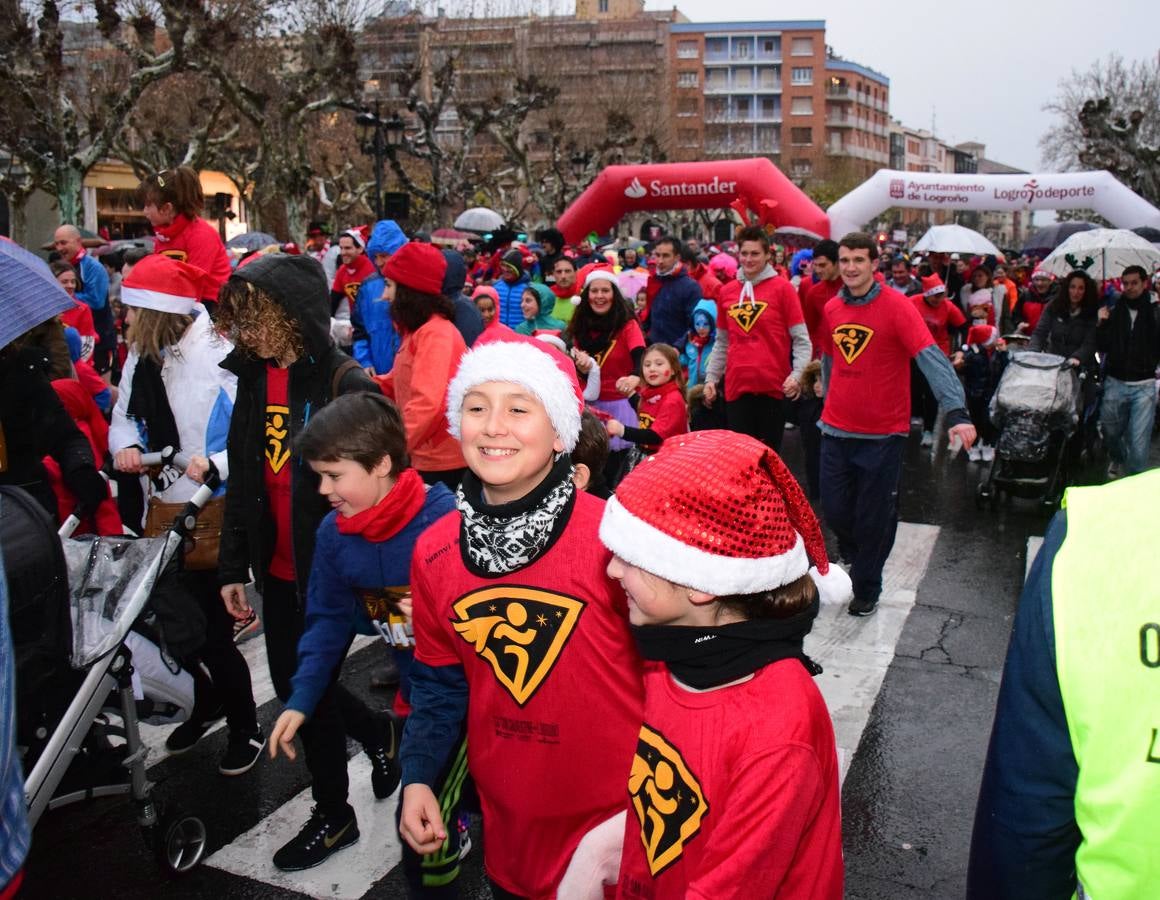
x: 1098, y: 191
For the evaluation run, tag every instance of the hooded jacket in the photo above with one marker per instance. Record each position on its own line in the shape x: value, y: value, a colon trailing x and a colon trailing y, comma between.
x: 1132, y: 346
x: 543, y: 320
x: 509, y: 300
x: 695, y: 357
x: 468, y: 321
x: 299, y: 286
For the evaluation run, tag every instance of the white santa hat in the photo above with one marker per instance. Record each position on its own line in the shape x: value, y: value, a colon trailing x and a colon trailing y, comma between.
x: 162, y: 283
x: 534, y: 365
x: 719, y: 512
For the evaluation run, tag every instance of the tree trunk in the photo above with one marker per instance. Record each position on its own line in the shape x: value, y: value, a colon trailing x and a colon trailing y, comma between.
x: 69, y: 200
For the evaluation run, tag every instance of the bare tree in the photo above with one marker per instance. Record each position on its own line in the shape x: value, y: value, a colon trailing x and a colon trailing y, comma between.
x: 1109, y: 118
x: 72, y: 81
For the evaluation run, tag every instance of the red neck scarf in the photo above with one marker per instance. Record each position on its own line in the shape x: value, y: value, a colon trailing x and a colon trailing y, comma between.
x: 388, y: 517
x: 647, y: 392
x: 564, y: 293
x: 166, y: 233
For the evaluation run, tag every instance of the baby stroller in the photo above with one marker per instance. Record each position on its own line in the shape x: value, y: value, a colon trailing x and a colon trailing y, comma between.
x: 80, y: 612
x: 1034, y: 407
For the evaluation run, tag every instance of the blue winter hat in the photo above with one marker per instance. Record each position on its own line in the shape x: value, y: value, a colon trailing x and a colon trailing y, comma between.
x: 72, y: 338
x: 387, y: 237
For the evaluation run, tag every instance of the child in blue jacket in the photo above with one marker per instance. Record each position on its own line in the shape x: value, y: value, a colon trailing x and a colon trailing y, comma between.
x: 360, y: 577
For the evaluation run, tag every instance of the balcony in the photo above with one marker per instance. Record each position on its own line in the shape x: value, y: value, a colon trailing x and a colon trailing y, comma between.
x: 839, y: 92
x: 854, y: 152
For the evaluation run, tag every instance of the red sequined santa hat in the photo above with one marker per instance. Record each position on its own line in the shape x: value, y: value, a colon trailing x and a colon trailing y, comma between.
x: 983, y: 335
x: 532, y: 364
x: 719, y: 512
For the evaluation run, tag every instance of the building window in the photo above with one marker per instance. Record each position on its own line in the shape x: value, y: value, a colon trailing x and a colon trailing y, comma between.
x: 716, y: 79
x: 687, y: 106
x: 769, y: 78
x: 742, y: 78
x: 742, y: 107
x: 687, y: 50
x: 802, y: 46
x: 801, y: 136
x: 603, y: 6
x: 742, y: 50
x: 771, y: 45
x: 687, y: 79
x: 913, y: 148
x: 801, y: 167
x: 802, y: 75
x: 770, y: 107
x: 802, y: 106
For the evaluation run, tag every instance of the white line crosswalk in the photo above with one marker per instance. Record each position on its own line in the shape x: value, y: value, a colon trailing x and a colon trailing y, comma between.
x: 854, y: 652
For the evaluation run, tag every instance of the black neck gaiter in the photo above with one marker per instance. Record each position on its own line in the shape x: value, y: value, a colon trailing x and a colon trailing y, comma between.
x: 707, y: 657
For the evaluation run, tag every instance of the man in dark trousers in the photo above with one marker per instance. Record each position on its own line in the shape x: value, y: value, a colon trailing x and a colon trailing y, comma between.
x: 875, y: 332
x: 672, y: 295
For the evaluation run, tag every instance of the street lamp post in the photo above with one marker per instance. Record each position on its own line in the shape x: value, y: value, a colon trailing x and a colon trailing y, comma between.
x: 378, y: 138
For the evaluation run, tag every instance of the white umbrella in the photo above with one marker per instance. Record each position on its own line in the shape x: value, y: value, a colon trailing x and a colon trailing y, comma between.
x: 955, y: 239
x: 1102, y: 253
x: 479, y: 218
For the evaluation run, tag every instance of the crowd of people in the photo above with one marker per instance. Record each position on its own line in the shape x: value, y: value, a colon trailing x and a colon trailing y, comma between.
x: 547, y: 475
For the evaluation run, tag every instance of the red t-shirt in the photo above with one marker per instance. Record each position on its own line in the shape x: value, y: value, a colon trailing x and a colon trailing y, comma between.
x: 555, y: 691
x: 198, y: 243
x: 278, y: 469
x: 814, y: 312
x: 616, y: 360
x: 733, y: 793
x: 348, y: 278
x: 663, y: 410
x: 759, y: 358
x: 871, y: 347
x: 939, y: 320
x: 79, y: 317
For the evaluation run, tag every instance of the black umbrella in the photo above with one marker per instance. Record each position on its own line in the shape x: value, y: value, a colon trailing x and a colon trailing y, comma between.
x: 251, y: 241
x: 1047, y: 239
x: 1148, y: 233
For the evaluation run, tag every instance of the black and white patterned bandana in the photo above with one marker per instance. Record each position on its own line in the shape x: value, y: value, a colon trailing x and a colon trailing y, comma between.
x: 499, y: 540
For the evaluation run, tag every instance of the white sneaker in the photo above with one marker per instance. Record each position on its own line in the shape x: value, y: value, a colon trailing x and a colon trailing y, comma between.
x: 988, y: 453
x: 928, y: 439
x: 975, y: 454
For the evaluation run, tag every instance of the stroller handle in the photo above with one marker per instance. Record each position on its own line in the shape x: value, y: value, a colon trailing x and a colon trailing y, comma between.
x: 166, y: 457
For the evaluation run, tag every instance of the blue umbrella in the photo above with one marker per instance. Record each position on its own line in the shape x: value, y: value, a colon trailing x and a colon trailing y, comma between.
x: 29, y: 293
x: 251, y: 240
x: 1046, y: 239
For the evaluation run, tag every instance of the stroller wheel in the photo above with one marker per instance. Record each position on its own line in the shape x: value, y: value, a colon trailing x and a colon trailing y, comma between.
x: 179, y: 840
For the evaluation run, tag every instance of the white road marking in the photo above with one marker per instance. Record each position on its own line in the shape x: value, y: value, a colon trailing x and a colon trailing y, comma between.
x: 856, y: 652
x: 254, y: 650
x: 350, y: 872
x: 1033, y: 545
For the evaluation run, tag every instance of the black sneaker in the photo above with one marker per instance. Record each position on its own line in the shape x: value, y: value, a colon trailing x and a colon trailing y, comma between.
x: 385, y: 769
x: 242, y: 754
x: 862, y: 607
x: 319, y: 837
x: 188, y: 733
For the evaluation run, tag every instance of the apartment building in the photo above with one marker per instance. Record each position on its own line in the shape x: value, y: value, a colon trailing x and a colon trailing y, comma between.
x: 774, y: 89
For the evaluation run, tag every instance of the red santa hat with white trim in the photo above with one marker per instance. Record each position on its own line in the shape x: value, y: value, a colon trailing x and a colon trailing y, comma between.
x: 162, y: 283
x: 536, y: 366
x: 720, y: 512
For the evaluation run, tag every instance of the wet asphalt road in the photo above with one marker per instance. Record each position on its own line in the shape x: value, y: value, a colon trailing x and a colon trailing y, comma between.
x: 908, y: 799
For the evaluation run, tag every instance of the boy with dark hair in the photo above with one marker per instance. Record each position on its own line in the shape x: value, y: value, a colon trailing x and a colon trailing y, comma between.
x: 522, y: 639
x: 672, y: 296
x: 357, y: 447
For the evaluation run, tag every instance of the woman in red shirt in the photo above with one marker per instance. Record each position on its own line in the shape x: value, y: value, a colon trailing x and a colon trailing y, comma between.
x: 604, y: 331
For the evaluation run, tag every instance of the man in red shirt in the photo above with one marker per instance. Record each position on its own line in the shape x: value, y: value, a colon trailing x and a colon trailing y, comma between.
x: 941, y: 317
x: 762, y: 345
x: 876, y: 332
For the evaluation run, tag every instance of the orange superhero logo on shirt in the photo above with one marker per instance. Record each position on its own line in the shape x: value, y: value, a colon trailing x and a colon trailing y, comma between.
x: 521, y: 632
x: 851, y: 340
x: 600, y: 357
x: 746, y: 314
x: 179, y: 255
x: 277, y: 435
x: 646, y: 420
x: 667, y: 798
x: 351, y: 290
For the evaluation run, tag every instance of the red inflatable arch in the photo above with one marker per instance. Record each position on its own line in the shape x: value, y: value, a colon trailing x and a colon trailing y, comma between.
x: 757, y: 183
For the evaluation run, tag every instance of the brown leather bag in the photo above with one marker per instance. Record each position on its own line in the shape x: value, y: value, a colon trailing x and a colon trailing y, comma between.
x: 207, y: 531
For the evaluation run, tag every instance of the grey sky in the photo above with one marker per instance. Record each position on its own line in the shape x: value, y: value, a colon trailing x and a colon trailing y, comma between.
x: 985, y: 68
